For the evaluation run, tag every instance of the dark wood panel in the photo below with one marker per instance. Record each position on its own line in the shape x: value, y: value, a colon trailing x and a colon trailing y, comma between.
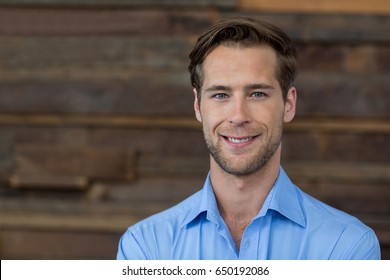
x: 145, y: 94
x: 363, y: 58
x: 68, y: 220
x: 154, y: 186
x: 332, y: 94
x: 95, y: 21
x: 383, y: 59
x: 48, y: 181
x: 127, y: 3
x: 356, y: 198
x: 111, y: 53
x: 325, y: 27
x: 150, y: 166
x: 324, y: 6
x: 42, y: 165
x: 6, y: 154
x: 43, y: 244
x: 331, y: 125
x: 158, y: 21
x: 340, y: 146
x: 107, y: 215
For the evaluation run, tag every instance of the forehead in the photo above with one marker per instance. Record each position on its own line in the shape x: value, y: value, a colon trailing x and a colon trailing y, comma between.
x: 234, y: 63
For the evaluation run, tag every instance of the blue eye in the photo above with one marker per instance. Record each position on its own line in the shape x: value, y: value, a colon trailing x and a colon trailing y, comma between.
x: 220, y: 95
x: 258, y: 94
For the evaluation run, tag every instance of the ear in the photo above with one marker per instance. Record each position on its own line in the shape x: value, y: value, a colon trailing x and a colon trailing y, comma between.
x: 197, y: 106
x: 290, y: 105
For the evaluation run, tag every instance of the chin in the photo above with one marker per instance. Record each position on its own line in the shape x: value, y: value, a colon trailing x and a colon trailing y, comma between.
x: 243, y: 169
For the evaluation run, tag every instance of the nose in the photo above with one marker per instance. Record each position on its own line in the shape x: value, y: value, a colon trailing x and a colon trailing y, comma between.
x: 239, y: 113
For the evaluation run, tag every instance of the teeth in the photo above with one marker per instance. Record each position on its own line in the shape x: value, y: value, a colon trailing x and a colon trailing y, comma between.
x: 242, y: 140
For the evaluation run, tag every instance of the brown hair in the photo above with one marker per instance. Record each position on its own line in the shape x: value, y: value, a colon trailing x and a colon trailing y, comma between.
x: 246, y: 33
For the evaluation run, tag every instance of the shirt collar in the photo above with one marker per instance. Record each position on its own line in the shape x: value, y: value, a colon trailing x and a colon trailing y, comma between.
x: 284, y: 198
x: 207, y: 203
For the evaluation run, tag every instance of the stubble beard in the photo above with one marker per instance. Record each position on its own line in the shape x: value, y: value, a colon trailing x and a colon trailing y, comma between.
x: 253, y: 164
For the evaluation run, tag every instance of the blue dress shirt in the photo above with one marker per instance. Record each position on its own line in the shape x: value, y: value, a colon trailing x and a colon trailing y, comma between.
x: 290, y: 225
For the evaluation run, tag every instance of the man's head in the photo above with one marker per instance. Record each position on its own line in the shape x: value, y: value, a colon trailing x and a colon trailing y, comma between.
x: 242, y: 72
x: 245, y: 33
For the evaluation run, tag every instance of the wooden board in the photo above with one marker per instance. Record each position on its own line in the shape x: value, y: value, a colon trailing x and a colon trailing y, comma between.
x: 43, y: 244
x: 51, y: 166
x: 324, y: 28
x: 128, y: 3
x: 92, y: 21
x: 319, y: 6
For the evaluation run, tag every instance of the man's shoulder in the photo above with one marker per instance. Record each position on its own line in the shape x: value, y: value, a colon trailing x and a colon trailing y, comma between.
x: 320, y: 213
x: 346, y: 235
x: 310, y: 211
x: 152, y: 237
x: 171, y: 217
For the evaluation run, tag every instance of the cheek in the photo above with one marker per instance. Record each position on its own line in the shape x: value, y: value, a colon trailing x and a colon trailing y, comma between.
x: 268, y: 113
x: 210, y: 123
x: 273, y: 122
x: 211, y: 116
x: 214, y: 128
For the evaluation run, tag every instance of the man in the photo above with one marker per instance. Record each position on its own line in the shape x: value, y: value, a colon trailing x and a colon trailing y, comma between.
x: 243, y: 71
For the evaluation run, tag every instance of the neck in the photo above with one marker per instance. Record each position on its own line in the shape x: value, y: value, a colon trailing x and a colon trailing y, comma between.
x: 243, y: 196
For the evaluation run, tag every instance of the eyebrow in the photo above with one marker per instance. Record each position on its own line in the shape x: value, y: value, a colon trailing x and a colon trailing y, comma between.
x: 247, y: 87
x: 217, y: 88
x: 258, y: 86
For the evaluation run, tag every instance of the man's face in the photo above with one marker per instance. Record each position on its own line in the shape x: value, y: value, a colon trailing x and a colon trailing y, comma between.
x: 242, y: 107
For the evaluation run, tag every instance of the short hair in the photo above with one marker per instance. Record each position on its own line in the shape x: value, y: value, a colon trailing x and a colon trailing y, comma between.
x: 245, y: 32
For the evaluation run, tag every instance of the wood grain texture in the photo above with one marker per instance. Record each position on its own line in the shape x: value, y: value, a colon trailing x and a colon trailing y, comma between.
x: 324, y: 28
x: 95, y: 21
x: 37, y: 165
x: 96, y: 115
x: 319, y: 6
x: 24, y: 53
x: 45, y: 244
x: 127, y: 3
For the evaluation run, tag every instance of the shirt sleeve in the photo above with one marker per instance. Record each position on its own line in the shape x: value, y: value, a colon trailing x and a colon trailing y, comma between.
x: 367, y: 248
x: 129, y: 248
x: 357, y: 243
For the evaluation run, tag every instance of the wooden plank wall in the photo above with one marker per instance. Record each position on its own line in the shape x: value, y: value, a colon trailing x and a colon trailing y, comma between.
x: 97, y: 128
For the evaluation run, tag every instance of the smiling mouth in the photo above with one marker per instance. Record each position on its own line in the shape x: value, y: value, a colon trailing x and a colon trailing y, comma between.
x: 239, y: 140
